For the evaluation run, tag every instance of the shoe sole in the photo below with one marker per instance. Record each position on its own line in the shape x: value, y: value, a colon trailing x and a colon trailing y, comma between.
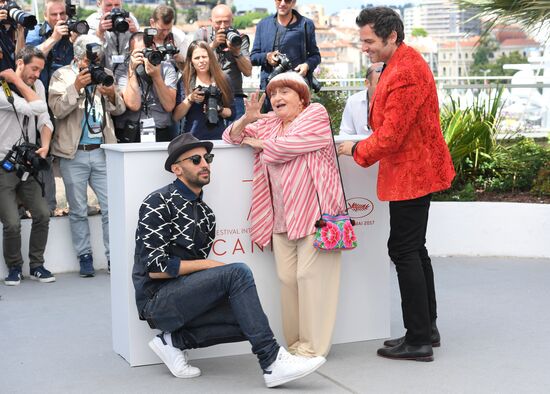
x: 423, y: 358
x: 43, y: 280
x: 291, y: 378
x: 160, y: 355
x: 434, y: 344
x: 11, y: 283
x: 87, y: 275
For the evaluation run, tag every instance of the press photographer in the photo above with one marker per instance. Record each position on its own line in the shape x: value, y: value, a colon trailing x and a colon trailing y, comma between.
x: 232, y: 51
x: 23, y: 111
x: 162, y: 19
x: 207, y: 101
x: 114, y: 26
x: 286, y: 32
x: 83, y: 97
x: 148, y: 85
x: 56, y: 35
x: 12, y: 33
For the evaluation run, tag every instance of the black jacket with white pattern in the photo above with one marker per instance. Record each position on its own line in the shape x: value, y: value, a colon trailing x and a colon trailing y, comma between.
x: 174, y: 224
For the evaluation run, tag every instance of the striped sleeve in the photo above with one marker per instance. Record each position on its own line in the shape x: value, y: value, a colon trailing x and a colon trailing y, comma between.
x: 310, y: 132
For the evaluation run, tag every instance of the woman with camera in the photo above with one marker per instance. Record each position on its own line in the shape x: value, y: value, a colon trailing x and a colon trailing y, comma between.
x: 295, y: 179
x: 206, y: 100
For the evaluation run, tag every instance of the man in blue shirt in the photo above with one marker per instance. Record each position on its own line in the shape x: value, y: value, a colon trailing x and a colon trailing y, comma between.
x: 53, y: 39
x: 289, y: 33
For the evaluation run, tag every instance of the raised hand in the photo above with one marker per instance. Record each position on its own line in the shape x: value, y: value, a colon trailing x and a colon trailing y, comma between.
x: 253, y: 107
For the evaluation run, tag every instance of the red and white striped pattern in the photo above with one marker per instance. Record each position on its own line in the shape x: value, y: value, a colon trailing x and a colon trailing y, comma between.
x: 309, y: 163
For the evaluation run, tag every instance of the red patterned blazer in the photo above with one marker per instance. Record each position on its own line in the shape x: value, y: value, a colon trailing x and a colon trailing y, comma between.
x: 407, y: 139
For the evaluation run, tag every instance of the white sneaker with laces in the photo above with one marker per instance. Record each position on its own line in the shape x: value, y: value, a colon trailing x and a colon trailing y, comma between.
x: 174, y: 358
x: 287, y: 367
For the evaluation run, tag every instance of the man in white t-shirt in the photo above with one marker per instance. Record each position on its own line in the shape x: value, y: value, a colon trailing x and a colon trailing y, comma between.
x: 115, y: 37
x: 355, y: 118
x: 24, y: 114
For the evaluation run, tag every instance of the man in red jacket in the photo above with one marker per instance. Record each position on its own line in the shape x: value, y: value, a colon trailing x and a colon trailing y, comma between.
x: 414, y: 162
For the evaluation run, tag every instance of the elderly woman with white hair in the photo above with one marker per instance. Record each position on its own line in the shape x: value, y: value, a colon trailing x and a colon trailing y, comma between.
x: 295, y: 179
x: 82, y: 103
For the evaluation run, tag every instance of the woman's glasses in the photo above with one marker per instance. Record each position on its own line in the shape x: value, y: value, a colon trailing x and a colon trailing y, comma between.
x: 196, y: 159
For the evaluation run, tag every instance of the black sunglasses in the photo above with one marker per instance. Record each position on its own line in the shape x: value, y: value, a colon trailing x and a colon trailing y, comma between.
x: 196, y: 159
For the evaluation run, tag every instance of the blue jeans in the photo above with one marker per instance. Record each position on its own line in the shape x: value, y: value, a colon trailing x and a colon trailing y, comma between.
x: 86, y: 167
x: 217, y: 305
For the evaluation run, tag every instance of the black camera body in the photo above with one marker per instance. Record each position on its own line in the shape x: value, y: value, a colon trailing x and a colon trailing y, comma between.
x: 118, y: 17
x: 18, y: 16
x: 74, y: 25
x: 24, y: 160
x: 233, y: 36
x: 213, y: 103
x: 156, y: 53
x: 97, y: 71
x: 284, y: 65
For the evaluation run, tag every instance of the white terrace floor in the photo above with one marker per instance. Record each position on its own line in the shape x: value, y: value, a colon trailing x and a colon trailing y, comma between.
x: 494, y: 319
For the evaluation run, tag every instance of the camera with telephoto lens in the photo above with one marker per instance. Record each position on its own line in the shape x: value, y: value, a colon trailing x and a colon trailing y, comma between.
x: 233, y: 36
x: 213, y: 103
x: 97, y: 71
x: 74, y: 25
x: 24, y: 160
x: 18, y: 16
x: 118, y: 17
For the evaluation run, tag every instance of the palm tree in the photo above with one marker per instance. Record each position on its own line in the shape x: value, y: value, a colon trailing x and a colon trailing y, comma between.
x: 530, y: 13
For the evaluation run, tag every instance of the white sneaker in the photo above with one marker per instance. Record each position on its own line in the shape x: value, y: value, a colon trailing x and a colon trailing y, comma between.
x: 174, y: 358
x: 287, y: 367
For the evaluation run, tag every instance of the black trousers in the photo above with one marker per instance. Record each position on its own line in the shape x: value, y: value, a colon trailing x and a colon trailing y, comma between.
x: 407, y: 249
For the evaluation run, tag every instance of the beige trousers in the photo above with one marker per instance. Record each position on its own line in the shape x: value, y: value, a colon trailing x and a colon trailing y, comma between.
x: 310, y: 282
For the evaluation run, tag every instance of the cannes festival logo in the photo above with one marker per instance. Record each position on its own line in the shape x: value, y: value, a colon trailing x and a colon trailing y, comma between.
x: 359, y: 207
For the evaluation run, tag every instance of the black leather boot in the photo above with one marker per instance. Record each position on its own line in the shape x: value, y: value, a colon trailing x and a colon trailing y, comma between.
x: 436, y: 339
x: 404, y: 351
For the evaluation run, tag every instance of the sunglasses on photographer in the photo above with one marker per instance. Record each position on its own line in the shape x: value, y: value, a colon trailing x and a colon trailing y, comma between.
x: 196, y: 159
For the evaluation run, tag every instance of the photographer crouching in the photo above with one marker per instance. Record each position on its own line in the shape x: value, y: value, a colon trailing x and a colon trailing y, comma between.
x: 148, y: 84
x: 23, y: 111
x: 82, y: 97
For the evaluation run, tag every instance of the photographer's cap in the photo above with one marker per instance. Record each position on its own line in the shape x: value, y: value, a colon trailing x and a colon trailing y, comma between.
x: 181, y: 144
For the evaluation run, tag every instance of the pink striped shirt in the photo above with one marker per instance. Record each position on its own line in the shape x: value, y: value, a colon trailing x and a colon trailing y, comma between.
x: 308, y: 163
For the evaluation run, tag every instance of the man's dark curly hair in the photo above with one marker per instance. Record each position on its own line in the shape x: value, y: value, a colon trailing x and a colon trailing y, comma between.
x: 383, y: 21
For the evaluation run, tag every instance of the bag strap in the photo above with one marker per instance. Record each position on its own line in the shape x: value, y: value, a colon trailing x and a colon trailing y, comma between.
x: 339, y: 173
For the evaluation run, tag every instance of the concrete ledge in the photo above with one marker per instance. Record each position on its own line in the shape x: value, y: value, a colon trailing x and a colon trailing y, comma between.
x: 489, y: 229
x: 454, y: 229
x: 60, y: 255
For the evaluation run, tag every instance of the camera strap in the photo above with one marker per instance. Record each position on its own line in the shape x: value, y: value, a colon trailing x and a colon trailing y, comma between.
x: 144, y: 96
x: 9, y: 97
x: 280, y: 33
x: 89, y: 104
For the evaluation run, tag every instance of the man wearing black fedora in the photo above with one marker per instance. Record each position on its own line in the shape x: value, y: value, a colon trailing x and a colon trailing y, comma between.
x: 195, y: 301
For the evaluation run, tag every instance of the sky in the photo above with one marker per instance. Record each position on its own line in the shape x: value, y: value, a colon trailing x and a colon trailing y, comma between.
x: 331, y: 6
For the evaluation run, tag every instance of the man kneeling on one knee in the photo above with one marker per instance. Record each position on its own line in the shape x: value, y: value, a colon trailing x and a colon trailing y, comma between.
x: 195, y: 301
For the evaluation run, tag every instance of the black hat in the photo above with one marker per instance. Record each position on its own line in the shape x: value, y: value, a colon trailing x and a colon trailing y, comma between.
x: 182, y: 143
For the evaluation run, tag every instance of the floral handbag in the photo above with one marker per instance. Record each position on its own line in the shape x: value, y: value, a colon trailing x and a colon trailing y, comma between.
x: 335, y: 232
